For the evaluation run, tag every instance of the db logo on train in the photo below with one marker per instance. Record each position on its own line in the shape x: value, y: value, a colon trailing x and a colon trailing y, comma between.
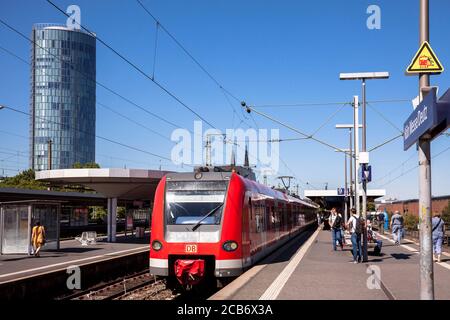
x: 191, y: 248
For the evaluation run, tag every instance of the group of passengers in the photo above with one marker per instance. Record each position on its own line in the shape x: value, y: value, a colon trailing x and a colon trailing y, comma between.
x: 355, y: 226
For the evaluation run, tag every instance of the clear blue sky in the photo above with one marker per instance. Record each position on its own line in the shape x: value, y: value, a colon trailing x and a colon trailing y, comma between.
x: 264, y: 52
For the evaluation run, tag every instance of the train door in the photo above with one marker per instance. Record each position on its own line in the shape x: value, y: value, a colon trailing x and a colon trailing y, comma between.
x: 277, y: 215
x: 263, y: 232
x: 268, y: 226
x: 247, y: 212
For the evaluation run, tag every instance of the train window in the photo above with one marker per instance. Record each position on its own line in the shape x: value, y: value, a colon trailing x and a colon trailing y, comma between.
x: 193, y: 202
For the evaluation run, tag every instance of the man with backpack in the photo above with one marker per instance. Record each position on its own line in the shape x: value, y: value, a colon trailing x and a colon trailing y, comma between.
x: 355, y: 226
x: 336, y: 222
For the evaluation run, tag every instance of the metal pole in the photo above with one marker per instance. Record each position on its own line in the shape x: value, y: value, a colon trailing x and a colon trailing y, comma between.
x: 356, y: 143
x: 363, y: 166
x: 345, y: 189
x: 114, y: 219
x: 108, y: 218
x: 49, y: 155
x: 426, y: 253
x: 208, y: 150
x: 351, y: 168
x: 363, y: 136
x: 2, y: 231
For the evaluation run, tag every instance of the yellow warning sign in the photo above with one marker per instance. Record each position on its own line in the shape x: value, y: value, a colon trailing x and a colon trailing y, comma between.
x: 425, y: 61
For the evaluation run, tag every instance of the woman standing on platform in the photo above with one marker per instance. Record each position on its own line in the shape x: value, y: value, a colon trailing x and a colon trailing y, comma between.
x: 438, y: 231
x: 37, y: 238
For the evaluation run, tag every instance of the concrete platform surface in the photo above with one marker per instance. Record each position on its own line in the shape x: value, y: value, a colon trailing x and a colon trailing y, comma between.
x: 308, y: 269
x: 71, y: 253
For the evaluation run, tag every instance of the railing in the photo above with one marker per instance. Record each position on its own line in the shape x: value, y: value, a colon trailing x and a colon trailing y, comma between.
x: 415, y: 233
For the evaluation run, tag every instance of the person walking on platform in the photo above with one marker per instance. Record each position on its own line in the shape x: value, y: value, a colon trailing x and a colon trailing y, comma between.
x: 335, y: 221
x: 438, y: 231
x: 355, y: 226
x: 319, y: 219
x: 380, y: 219
x: 386, y: 220
x: 397, y: 227
x: 37, y: 238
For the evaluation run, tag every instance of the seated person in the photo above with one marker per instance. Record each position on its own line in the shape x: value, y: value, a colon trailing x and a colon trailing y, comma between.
x: 372, y: 239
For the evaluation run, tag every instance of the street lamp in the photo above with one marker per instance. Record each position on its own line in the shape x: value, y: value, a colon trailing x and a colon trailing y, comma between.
x: 363, y: 76
x: 346, y: 152
x: 351, y: 127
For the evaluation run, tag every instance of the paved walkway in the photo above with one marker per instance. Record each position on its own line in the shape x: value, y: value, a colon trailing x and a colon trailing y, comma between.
x: 71, y: 252
x: 314, y: 271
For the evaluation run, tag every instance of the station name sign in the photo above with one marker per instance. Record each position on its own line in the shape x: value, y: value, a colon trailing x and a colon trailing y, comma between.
x: 430, y: 117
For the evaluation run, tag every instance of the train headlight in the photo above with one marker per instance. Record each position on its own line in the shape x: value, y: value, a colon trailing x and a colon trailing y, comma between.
x: 230, y: 246
x: 156, y: 245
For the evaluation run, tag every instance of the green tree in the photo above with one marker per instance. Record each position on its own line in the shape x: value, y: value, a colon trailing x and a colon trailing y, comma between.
x: 446, y: 213
x: 411, y: 221
x: 121, y: 212
x: 24, y: 180
x: 87, y: 165
x: 371, y: 206
x: 97, y: 213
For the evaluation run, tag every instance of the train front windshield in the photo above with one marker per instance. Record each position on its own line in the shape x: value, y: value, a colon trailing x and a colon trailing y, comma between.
x: 193, y: 202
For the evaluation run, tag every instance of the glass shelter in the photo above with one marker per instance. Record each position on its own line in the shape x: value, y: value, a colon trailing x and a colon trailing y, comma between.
x: 17, y: 219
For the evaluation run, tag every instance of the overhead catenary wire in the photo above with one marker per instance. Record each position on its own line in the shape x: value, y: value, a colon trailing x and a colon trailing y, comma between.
x: 135, y: 67
x: 155, y: 51
x: 279, y: 156
x: 186, y: 51
x: 225, y: 91
x: 385, y: 143
x: 12, y: 154
x: 328, y: 119
x: 95, y: 135
x: 123, y: 57
x: 13, y: 54
x: 396, y: 168
x: 133, y: 121
x: 384, y: 118
x: 415, y: 167
x: 13, y: 134
x: 314, y: 104
x: 109, y: 157
x: 101, y: 104
x: 294, y: 129
x: 109, y: 108
x: 88, y: 77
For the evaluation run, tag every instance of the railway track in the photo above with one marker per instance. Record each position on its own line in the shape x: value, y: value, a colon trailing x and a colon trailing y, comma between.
x: 140, y: 286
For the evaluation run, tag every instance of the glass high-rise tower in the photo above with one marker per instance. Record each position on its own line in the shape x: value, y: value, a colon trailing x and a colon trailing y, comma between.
x: 63, y: 71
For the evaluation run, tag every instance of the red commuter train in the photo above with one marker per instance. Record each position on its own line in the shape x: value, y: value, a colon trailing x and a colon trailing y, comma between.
x: 218, y: 224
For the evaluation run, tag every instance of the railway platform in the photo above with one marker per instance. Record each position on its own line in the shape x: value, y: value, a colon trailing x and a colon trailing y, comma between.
x: 49, y: 272
x: 308, y: 269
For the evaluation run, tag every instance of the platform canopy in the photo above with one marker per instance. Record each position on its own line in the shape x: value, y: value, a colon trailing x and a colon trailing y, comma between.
x: 373, y: 193
x: 332, y: 198
x: 115, y: 184
x: 125, y: 184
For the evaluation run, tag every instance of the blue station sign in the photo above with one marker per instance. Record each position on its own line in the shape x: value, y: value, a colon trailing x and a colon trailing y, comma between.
x: 430, y: 117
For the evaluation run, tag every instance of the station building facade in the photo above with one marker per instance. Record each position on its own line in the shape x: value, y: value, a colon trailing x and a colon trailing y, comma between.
x: 411, y: 206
